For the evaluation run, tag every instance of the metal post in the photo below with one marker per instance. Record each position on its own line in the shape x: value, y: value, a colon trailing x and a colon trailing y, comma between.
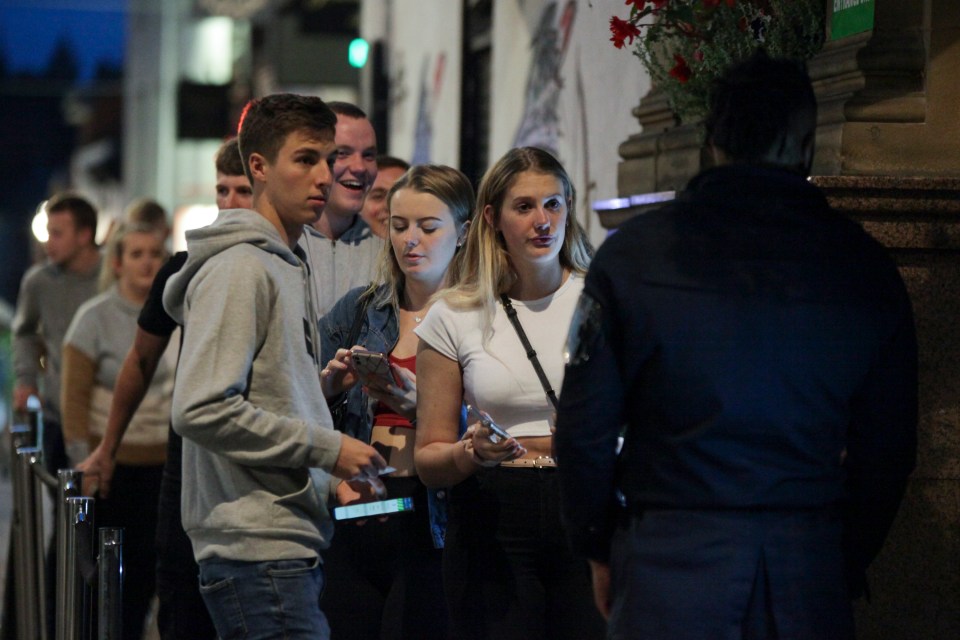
x: 76, y: 612
x: 110, y: 603
x: 28, y: 545
x: 35, y: 420
x: 70, y: 482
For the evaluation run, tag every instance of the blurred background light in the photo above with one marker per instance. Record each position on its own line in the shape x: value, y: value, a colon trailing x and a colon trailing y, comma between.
x: 358, y: 52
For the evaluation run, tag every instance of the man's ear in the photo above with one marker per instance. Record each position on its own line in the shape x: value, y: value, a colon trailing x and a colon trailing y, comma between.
x: 258, y: 167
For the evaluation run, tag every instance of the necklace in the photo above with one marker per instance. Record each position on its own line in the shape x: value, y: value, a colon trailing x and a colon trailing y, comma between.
x: 418, y: 319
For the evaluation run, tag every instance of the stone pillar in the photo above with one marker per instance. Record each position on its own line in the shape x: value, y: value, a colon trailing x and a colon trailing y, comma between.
x: 888, y: 155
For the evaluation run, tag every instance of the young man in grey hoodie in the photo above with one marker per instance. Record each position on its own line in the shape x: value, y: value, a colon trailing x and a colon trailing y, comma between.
x: 259, y: 448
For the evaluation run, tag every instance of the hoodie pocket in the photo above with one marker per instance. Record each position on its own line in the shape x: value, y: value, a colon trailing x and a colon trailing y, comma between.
x: 304, y: 503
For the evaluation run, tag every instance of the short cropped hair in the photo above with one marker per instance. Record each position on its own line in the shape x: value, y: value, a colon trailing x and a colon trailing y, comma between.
x: 347, y: 109
x: 763, y: 110
x: 146, y: 212
x: 83, y: 213
x: 228, y: 160
x: 391, y: 162
x: 267, y: 122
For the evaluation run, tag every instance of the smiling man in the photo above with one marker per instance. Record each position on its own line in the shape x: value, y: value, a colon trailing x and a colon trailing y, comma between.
x: 258, y: 441
x: 342, y: 250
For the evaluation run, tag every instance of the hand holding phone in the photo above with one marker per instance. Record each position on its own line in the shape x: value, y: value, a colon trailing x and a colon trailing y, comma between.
x: 497, y: 433
x: 373, y: 368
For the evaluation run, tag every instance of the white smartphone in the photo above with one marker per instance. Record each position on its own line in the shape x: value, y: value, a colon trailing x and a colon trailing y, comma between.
x: 497, y: 432
x: 372, y: 509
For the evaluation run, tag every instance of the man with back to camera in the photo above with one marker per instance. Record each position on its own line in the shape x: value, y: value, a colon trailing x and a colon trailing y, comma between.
x: 341, y: 249
x: 182, y: 614
x: 760, y: 350
x: 259, y: 447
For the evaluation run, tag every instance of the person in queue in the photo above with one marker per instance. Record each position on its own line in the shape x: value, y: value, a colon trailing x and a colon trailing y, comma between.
x: 259, y: 448
x: 384, y: 577
x: 94, y: 348
x: 374, y: 212
x: 181, y: 614
x: 508, y: 571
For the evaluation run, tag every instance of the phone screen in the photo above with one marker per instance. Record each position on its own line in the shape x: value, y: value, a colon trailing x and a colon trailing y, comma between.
x: 370, y: 509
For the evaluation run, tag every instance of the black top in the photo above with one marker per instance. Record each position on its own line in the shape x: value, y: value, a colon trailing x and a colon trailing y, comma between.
x: 745, y: 336
x: 153, y: 317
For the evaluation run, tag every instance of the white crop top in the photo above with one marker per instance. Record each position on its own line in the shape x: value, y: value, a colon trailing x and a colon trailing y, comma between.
x: 497, y: 377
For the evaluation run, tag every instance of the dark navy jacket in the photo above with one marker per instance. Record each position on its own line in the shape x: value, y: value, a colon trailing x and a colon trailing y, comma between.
x: 747, y: 338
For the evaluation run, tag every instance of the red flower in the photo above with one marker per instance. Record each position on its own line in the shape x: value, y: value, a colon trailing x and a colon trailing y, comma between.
x: 681, y: 71
x: 623, y: 32
x: 637, y: 3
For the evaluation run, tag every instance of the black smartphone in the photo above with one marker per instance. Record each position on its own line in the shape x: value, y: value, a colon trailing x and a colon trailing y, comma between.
x: 497, y: 432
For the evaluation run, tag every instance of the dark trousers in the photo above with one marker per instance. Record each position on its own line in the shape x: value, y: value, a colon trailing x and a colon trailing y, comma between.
x: 131, y: 504
x: 383, y: 578
x: 182, y: 614
x: 508, y: 570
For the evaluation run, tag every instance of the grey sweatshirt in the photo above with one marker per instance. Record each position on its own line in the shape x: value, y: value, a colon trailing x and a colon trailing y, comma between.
x: 340, y: 265
x: 49, y: 296
x: 258, y: 438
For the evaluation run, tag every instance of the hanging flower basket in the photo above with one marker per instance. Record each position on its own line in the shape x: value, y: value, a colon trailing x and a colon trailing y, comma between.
x: 685, y: 44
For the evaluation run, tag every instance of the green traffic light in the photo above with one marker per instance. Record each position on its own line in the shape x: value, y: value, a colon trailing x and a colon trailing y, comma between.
x: 357, y: 54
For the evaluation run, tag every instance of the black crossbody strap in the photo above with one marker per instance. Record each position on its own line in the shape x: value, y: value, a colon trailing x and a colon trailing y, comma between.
x: 358, y: 322
x: 531, y: 354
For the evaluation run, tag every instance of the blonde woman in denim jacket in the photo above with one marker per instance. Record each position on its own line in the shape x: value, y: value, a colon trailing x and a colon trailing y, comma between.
x: 383, y: 575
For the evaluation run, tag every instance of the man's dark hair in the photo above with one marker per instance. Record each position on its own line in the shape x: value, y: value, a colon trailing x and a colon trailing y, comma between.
x: 228, y: 159
x: 347, y: 109
x: 266, y: 122
x: 83, y: 213
x: 763, y: 111
x: 391, y: 162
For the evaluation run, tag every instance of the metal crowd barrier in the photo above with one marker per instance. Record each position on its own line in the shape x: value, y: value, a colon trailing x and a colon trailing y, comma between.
x: 78, y: 568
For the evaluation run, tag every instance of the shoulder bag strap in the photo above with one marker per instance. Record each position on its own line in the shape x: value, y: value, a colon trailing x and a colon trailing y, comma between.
x: 358, y: 322
x: 531, y: 354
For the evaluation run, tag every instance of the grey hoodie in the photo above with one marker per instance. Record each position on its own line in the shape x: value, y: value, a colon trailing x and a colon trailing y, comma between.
x: 258, y: 439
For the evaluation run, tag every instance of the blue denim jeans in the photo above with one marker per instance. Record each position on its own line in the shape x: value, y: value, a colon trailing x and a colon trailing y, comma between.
x: 262, y: 600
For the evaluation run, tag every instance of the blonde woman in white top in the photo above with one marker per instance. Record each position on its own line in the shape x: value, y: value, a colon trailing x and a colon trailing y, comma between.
x: 508, y: 572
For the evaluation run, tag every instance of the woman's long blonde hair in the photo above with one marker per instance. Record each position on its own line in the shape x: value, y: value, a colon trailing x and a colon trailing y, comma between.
x: 486, y: 268
x: 450, y: 187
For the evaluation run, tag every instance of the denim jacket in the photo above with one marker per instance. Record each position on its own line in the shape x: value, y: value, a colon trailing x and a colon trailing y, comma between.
x: 379, y: 332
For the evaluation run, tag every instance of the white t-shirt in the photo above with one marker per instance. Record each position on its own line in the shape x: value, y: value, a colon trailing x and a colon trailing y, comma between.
x: 497, y: 377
